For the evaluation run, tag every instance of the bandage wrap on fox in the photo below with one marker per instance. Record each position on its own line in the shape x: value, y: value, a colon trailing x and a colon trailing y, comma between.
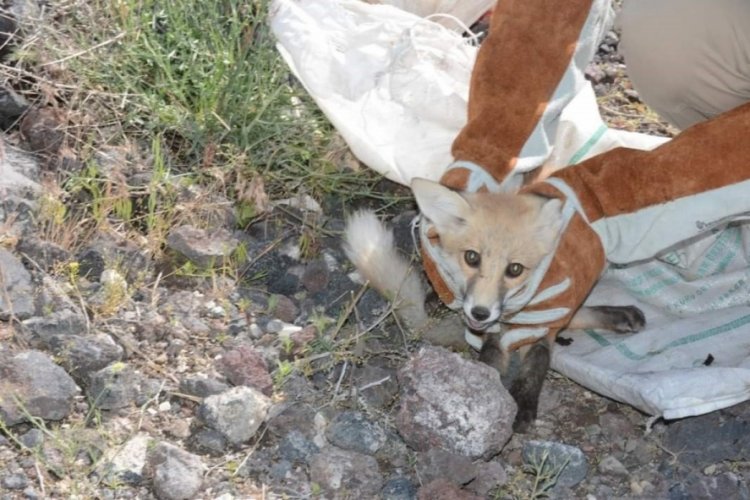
x: 540, y: 305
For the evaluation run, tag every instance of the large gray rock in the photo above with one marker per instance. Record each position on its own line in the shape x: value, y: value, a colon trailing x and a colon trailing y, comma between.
x: 48, y: 330
x: 32, y: 385
x: 176, y: 474
x: 19, y: 172
x: 711, y: 438
x: 236, y: 414
x: 16, y: 289
x: 340, y: 473
x: 82, y: 355
x: 453, y: 403
x: 19, y: 188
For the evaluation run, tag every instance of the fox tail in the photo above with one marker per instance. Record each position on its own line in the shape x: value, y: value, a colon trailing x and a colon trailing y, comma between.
x: 370, y: 247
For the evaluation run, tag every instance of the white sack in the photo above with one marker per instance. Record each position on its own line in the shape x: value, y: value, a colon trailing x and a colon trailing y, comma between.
x: 450, y: 13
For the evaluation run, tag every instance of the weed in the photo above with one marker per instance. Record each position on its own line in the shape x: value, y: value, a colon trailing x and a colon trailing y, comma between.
x: 545, y: 473
x: 283, y: 371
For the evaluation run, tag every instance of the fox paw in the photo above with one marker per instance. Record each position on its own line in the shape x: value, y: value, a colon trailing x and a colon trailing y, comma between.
x: 622, y: 319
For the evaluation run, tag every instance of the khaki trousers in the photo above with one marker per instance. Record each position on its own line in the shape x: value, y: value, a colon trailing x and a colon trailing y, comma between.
x: 688, y: 59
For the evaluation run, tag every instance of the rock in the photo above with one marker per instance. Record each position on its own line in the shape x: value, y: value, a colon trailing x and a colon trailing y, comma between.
x: 12, y: 105
x: 80, y: 355
x: 109, y: 250
x: 442, y: 464
x: 244, y: 365
x: 43, y: 388
x: 610, y: 465
x: 295, y: 447
x: 282, y: 283
x: 570, y: 459
x: 378, y: 385
x: 445, y: 404
x: 176, y: 474
x: 16, y: 289
x: 291, y: 416
x: 696, y: 485
x: 44, y: 253
x: 440, y: 489
x: 115, y: 386
x: 345, y: 472
x: 490, y: 477
x: 284, y: 308
x: 179, y: 428
x: 351, y: 430
x: 208, y: 441
x: 127, y: 463
x: 202, y: 386
x: 616, y: 426
x: 315, y: 277
x: 17, y: 214
x: 51, y: 330
x: 32, y: 439
x: 236, y: 413
x: 710, y: 438
x: 447, y: 331
x: 202, y: 248
x: 44, y: 130
x: 15, y: 481
x: 398, y: 488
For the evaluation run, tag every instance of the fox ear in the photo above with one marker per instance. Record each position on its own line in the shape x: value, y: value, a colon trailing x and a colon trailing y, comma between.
x: 446, y: 208
x: 549, y: 222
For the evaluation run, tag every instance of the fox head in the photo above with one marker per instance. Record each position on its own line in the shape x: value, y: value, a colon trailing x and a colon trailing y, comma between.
x: 496, y: 240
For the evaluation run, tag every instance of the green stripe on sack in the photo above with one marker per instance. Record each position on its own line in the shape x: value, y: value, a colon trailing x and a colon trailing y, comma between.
x: 584, y: 150
x: 689, y: 339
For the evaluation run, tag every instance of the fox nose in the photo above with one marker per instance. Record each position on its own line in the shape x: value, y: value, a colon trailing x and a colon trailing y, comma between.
x: 480, y: 313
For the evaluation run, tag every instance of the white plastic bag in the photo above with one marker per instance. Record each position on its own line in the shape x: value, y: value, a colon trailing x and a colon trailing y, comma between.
x: 467, y: 13
x: 394, y: 85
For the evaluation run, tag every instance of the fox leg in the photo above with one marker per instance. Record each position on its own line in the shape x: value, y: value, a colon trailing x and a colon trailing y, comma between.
x: 522, y: 371
x: 620, y: 319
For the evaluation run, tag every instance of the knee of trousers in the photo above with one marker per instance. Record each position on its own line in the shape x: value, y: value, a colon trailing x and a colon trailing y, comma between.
x: 688, y: 59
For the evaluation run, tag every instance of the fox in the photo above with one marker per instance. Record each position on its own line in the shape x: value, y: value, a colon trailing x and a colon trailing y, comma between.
x: 493, y: 241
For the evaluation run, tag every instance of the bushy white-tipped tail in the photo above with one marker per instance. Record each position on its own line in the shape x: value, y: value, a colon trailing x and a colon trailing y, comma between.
x: 370, y: 247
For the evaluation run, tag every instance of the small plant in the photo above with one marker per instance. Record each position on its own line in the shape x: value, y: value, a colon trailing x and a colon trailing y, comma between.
x: 545, y: 473
x: 283, y: 371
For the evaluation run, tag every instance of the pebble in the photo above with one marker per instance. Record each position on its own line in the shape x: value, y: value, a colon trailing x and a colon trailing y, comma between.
x: 236, y: 413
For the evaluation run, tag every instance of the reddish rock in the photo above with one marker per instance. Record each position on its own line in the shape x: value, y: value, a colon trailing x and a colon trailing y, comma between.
x: 244, y: 365
x: 285, y: 309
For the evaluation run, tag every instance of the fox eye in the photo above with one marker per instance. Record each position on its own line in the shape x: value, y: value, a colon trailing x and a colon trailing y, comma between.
x: 472, y: 258
x: 514, y: 270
